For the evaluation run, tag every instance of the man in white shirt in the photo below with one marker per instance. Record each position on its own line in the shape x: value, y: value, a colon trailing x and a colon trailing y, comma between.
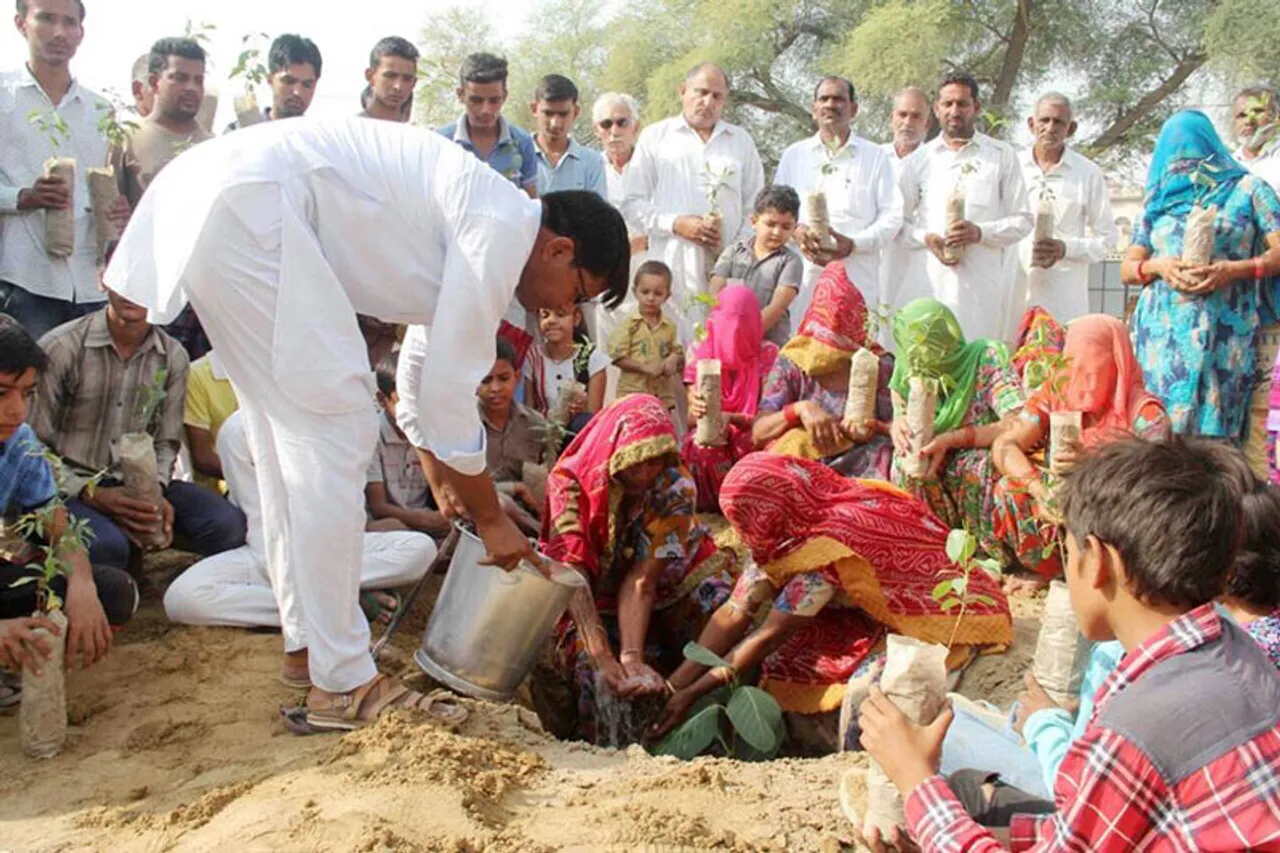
x: 279, y: 237
x: 863, y: 202
x: 900, y: 263
x: 48, y: 113
x: 684, y: 168
x: 965, y: 267
x: 1055, y: 271
x: 1255, y: 118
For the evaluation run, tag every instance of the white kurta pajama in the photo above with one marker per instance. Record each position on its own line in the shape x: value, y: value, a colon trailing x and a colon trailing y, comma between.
x: 982, y: 289
x: 279, y: 234
x: 234, y: 588
x: 900, y: 264
x: 1082, y: 221
x: 668, y: 176
x: 863, y: 204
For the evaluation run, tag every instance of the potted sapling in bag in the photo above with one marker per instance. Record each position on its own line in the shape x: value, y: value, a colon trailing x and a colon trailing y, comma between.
x: 250, y: 67
x: 710, y: 428
x: 42, y: 716
x: 135, y: 452
x: 715, y: 181
x: 1198, y: 236
x: 922, y: 407
x: 1061, y: 653
x: 1045, y: 227
x: 104, y: 184
x: 59, y: 224
x: 1052, y: 371
x: 864, y: 382
x: 956, y: 208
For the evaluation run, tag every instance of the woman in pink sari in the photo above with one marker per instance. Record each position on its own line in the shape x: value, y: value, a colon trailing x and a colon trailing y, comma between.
x: 735, y: 336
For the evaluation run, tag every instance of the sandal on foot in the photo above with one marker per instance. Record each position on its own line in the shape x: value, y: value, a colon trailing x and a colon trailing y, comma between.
x: 363, y: 706
x: 375, y: 609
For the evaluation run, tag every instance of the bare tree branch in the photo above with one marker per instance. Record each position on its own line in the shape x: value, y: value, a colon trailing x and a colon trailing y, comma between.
x: 1126, y: 120
x: 1019, y: 35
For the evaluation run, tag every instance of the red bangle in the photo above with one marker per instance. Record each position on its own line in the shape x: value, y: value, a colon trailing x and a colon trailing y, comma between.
x: 1142, y: 277
x: 791, y: 416
x: 1257, y: 269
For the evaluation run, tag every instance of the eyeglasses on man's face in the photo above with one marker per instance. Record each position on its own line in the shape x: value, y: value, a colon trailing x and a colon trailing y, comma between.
x: 608, y: 123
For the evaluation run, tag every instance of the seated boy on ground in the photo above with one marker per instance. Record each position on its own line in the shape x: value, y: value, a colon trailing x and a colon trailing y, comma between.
x: 1185, y: 731
x: 93, y: 597
x: 514, y: 435
x: 233, y: 588
x: 101, y: 370
x: 210, y: 401
x: 396, y: 490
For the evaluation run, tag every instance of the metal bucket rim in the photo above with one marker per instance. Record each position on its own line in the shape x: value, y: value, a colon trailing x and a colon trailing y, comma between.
x: 566, y: 576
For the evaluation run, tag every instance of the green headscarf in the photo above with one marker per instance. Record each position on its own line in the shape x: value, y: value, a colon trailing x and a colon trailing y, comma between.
x: 931, y: 344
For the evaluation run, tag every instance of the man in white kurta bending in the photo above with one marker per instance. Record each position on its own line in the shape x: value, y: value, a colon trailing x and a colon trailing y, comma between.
x: 1055, y: 270
x: 966, y: 265
x: 279, y: 235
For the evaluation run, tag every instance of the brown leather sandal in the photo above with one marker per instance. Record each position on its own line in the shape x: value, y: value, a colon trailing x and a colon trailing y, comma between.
x: 363, y: 706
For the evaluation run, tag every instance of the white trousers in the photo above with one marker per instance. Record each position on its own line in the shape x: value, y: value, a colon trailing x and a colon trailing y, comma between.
x: 287, y: 335
x: 233, y: 588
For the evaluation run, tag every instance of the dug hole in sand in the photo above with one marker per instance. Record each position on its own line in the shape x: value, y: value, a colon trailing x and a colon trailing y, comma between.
x: 175, y: 745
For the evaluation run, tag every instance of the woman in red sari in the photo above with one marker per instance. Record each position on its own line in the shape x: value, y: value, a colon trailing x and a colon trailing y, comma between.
x: 735, y: 336
x: 1101, y: 379
x: 621, y: 512
x: 844, y: 562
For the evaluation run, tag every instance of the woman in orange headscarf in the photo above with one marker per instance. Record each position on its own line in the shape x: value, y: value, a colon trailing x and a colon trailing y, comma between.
x: 1102, y: 380
x: 620, y: 510
x: 844, y: 561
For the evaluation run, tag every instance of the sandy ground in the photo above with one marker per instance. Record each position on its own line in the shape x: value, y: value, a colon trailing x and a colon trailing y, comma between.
x: 175, y: 745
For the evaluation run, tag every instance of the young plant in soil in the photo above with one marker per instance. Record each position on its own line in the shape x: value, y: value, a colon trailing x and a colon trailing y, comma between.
x: 954, y: 591
x: 744, y: 721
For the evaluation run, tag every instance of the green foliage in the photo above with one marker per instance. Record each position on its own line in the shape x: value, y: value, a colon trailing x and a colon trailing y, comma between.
x: 201, y: 32
x: 879, y: 316
x: 745, y: 721
x: 52, y: 125
x: 251, y: 65
x: 953, y: 592
x: 1240, y: 37
x: 1052, y: 369
x: 148, y: 399
x: 1204, y: 178
x: 451, y: 34
x: 110, y: 128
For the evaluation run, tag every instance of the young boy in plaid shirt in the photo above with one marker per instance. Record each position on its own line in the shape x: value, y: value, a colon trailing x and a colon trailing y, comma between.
x: 1182, y: 752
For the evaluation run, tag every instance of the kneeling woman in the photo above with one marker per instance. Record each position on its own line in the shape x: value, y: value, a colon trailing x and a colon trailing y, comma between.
x: 844, y: 562
x: 621, y: 512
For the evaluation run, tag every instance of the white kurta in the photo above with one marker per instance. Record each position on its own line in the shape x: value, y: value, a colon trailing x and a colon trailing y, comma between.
x: 863, y: 204
x: 1266, y: 165
x: 900, y: 264
x: 982, y: 289
x: 670, y: 175
x: 279, y: 234
x: 1082, y: 221
x: 234, y: 588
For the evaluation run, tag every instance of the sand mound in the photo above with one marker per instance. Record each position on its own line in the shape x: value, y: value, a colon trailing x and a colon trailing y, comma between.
x: 175, y: 745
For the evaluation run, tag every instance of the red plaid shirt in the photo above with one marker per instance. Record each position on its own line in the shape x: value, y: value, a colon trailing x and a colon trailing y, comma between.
x: 1111, y: 797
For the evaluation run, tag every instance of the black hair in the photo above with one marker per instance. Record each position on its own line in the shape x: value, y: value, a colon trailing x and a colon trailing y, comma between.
x: 24, y: 6
x: 658, y: 268
x: 506, y: 351
x: 599, y: 234
x: 830, y: 78
x: 959, y: 78
x: 290, y: 49
x: 366, y: 97
x: 1169, y: 508
x: 483, y: 68
x: 19, y: 352
x: 393, y: 46
x: 556, y: 87
x: 385, y: 373
x: 158, y: 59
x: 780, y: 198
x: 1255, y: 575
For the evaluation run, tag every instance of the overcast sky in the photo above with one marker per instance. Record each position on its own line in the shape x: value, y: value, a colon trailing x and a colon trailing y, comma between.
x: 344, y: 31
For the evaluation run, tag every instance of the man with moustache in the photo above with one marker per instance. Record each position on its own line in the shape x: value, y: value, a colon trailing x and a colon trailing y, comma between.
x: 863, y: 202
x: 1056, y: 270
x: 681, y: 164
x: 965, y: 266
x: 1255, y: 118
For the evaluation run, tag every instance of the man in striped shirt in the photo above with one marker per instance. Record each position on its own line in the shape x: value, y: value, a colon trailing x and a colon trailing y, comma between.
x: 1182, y: 752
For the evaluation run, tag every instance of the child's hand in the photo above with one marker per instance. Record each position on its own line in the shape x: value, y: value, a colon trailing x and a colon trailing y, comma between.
x: 1032, y: 700
x: 19, y: 645
x: 697, y: 405
x: 656, y: 368
x: 908, y: 753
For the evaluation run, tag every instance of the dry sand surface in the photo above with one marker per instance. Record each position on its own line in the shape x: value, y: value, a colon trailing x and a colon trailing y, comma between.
x: 175, y: 745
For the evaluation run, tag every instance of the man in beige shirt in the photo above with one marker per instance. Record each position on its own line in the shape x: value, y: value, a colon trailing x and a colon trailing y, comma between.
x: 176, y: 79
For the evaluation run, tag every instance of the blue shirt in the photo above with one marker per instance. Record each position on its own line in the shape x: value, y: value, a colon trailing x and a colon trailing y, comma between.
x: 26, y: 480
x: 514, y: 156
x: 579, y: 169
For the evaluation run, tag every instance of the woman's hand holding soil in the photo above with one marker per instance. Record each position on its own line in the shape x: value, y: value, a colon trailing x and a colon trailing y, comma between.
x: 19, y: 645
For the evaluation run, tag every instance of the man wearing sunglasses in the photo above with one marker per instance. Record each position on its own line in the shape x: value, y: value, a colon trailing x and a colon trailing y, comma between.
x: 279, y: 238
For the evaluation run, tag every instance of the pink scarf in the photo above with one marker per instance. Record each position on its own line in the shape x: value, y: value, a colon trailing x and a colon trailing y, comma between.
x: 735, y: 335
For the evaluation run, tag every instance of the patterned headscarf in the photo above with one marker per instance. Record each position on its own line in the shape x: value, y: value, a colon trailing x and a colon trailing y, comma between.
x: 1186, y: 141
x: 583, y: 494
x: 834, y: 327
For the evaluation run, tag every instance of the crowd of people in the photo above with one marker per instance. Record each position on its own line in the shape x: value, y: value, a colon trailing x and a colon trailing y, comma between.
x: 338, y: 336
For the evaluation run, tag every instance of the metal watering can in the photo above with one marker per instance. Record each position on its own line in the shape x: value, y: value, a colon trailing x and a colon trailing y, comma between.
x: 487, y: 626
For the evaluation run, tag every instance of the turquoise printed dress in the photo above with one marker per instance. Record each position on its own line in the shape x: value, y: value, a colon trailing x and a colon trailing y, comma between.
x: 1198, y: 353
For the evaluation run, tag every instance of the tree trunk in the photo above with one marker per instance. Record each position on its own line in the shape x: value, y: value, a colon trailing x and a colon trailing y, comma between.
x: 1122, y: 125
x: 1013, y: 55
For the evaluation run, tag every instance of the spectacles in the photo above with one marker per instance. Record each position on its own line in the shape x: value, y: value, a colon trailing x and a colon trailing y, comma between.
x: 608, y: 123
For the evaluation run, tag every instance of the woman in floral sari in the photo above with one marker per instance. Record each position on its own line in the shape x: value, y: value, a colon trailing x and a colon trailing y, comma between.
x: 843, y: 562
x: 978, y: 390
x: 802, y: 406
x: 620, y: 511
x: 1100, y: 379
x: 735, y: 336
x: 1196, y: 329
